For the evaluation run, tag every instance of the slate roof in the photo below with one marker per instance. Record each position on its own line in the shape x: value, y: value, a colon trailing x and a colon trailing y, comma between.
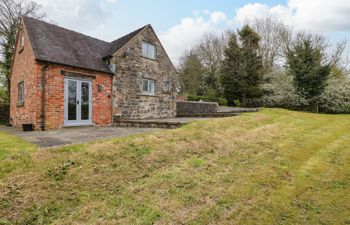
x: 120, y: 42
x: 55, y: 44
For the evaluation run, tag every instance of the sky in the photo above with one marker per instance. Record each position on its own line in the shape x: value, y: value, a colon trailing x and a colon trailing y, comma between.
x: 180, y: 23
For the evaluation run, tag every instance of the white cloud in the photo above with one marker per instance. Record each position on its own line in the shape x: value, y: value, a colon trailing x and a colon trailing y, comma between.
x: 315, y: 15
x: 81, y: 15
x: 112, y: 1
x: 251, y: 11
x: 217, y: 17
x: 185, y: 35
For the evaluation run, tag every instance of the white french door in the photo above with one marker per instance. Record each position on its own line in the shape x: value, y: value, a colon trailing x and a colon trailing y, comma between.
x: 77, y: 102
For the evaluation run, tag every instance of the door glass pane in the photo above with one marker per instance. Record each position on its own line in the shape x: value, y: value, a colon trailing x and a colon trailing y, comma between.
x: 72, y: 100
x: 85, y: 101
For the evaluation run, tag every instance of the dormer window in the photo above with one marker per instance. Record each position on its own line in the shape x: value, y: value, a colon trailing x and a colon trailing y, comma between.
x: 112, y: 67
x: 148, y: 50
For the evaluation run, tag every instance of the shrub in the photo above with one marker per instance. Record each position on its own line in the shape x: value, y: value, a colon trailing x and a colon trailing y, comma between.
x: 196, y: 98
x: 280, y: 92
x: 336, y: 97
x: 237, y: 103
x: 4, y: 112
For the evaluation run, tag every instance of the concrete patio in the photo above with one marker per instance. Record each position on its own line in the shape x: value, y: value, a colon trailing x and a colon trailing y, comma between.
x: 73, y: 135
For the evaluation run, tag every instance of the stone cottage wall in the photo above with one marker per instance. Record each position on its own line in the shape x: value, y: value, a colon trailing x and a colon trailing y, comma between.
x: 128, y: 101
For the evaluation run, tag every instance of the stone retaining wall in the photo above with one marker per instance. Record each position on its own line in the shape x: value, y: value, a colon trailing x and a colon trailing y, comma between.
x: 189, y: 108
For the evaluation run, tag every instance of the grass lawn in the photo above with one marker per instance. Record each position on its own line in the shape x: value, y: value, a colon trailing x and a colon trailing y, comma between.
x: 271, y: 167
x: 13, y: 146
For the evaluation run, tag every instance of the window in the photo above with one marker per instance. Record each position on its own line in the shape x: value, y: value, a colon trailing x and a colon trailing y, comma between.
x: 167, y: 85
x: 21, y: 92
x: 21, y: 40
x: 148, y: 86
x: 148, y: 50
x: 112, y: 67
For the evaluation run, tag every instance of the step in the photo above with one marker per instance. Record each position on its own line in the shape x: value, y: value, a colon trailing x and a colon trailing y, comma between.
x: 216, y: 114
x: 148, y: 124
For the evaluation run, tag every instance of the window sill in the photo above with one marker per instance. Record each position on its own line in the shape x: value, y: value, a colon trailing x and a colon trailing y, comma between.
x: 20, y: 50
x: 145, y: 57
x: 20, y: 104
x: 148, y: 95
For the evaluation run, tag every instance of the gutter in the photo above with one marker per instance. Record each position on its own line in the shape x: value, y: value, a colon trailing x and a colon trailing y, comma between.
x: 43, y: 95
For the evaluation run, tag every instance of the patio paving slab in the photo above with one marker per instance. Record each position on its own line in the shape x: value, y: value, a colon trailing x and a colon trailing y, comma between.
x: 65, y: 136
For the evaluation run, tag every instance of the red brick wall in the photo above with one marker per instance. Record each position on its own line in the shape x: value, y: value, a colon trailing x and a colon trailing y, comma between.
x: 26, y: 69
x: 54, y: 99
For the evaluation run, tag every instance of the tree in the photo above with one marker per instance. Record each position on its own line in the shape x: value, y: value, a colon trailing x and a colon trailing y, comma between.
x: 306, y: 63
x: 241, y: 72
x: 199, y: 67
x: 210, y: 52
x: 274, y: 35
x: 10, y: 13
x: 190, y: 73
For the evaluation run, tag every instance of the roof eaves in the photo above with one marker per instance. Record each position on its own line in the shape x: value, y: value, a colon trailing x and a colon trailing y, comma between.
x: 107, y: 71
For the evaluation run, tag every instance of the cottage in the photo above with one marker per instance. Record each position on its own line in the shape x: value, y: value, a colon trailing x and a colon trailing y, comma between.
x: 64, y: 78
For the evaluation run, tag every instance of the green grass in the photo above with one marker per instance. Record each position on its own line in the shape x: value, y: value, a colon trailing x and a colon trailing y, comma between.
x: 271, y: 167
x: 14, y: 153
x: 10, y: 144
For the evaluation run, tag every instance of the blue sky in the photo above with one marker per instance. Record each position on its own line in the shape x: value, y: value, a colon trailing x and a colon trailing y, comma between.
x: 180, y: 23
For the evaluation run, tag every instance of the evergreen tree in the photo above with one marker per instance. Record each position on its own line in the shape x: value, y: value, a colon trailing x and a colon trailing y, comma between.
x: 310, y: 77
x: 190, y: 76
x: 242, y: 67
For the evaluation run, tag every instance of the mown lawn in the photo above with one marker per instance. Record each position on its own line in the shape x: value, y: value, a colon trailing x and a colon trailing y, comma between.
x: 271, y: 167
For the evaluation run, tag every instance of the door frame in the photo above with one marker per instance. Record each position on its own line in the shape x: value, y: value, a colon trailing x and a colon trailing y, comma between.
x: 78, y: 121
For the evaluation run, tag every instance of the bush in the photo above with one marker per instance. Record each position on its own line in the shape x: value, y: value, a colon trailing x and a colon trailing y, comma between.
x: 4, y: 112
x: 196, y: 98
x: 280, y: 92
x: 336, y: 97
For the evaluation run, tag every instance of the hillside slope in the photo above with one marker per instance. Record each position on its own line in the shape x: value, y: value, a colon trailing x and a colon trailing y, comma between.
x: 271, y: 167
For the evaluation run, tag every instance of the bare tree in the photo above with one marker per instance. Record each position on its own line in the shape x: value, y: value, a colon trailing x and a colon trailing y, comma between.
x: 338, y: 58
x: 10, y: 13
x: 275, y: 37
x: 210, y: 51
